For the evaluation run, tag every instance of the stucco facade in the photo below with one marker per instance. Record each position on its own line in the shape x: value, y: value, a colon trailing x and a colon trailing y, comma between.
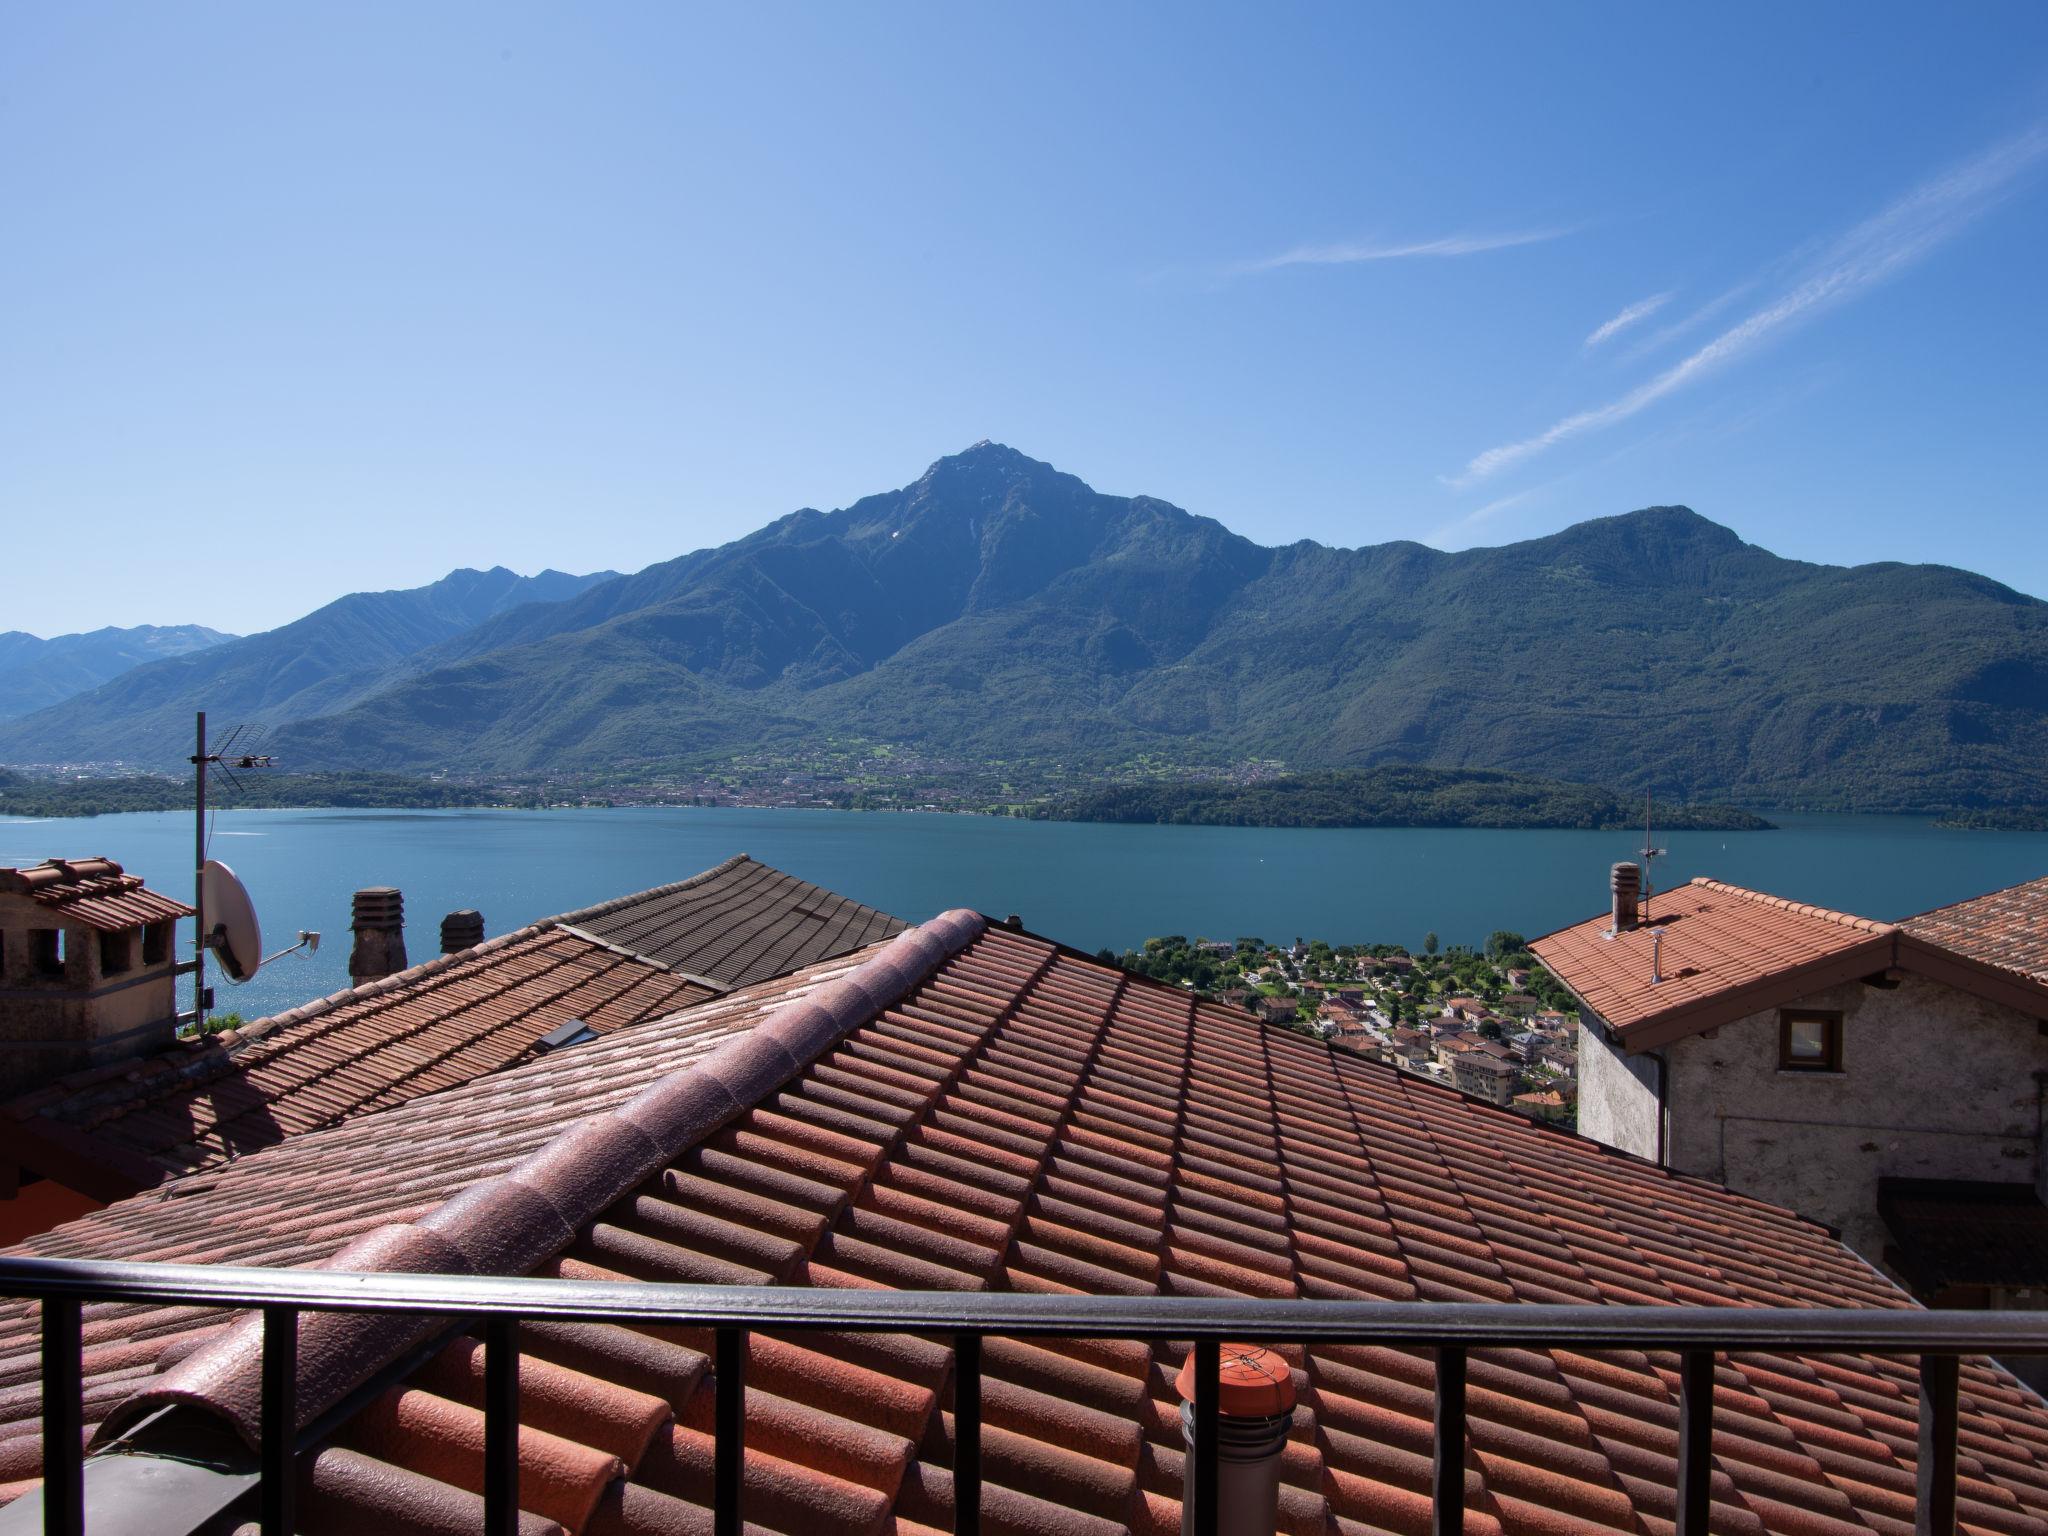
x: 1934, y: 1083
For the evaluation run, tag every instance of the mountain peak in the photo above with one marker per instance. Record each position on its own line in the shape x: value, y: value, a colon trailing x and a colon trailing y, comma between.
x: 988, y: 457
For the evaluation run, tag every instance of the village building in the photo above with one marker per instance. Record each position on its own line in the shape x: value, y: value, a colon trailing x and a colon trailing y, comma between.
x: 1485, y: 1076
x: 1862, y: 1073
x: 967, y: 1107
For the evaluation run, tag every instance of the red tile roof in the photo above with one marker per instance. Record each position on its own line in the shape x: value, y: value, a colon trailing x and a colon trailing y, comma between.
x: 2007, y: 929
x: 974, y: 1108
x: 1728, y: 952
x: 129, y: 1125
x: 91, y: 893
x: 740, y: 922
x: 132, y: 1124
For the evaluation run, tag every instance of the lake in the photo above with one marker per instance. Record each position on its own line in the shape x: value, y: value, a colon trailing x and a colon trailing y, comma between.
x: 1088, y: 885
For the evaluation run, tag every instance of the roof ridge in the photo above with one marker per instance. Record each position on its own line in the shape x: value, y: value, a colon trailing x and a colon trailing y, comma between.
x: 1798, y: 908
x: 613, y: 903
x: 515, y: 1220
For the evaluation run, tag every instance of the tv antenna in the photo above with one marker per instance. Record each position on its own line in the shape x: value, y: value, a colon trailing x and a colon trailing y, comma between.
x: 234, y: 934
x: 1650, y: 851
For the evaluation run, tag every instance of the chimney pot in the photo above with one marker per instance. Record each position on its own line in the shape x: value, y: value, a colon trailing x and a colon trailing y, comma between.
x: 1255, y: 1406
x: 1627, y: 881
x: 461, y: 930
x: 377, y: 914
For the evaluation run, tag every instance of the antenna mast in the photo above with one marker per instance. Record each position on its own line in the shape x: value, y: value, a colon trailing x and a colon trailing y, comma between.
x: 1650, y: 851
x: 202, y: 938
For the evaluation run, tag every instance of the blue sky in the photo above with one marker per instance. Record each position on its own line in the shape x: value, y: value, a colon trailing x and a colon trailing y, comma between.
x: 302, y: 300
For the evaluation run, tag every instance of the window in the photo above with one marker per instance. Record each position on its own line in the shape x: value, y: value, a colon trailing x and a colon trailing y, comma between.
x: 46, y: 951
x: 1809, y: 1041
x: 117, y: 951
x: 156, y: 943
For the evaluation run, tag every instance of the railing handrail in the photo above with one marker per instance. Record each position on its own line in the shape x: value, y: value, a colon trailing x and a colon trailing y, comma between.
x: 1467, y: 1325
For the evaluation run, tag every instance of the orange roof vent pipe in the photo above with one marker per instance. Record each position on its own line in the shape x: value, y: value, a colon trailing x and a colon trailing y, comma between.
x: 1255, y: 1406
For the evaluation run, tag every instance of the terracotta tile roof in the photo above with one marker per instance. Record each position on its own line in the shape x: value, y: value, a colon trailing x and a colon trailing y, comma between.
x: 1726, y: 952
x: 740, y: 922
x: 974, y: 1108
x: 2007, y: 929
x: 91, y: 893
x: 132, y: 1124
x: 129, y: 1125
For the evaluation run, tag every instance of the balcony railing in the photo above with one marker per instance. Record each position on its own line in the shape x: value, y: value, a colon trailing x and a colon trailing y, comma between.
x: 498, y: 1306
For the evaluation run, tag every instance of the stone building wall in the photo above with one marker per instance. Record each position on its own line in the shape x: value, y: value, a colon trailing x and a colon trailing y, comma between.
x: 1934, y: 1083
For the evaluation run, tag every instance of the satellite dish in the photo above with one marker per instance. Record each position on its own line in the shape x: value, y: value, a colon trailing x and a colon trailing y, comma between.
x: 237, y: 938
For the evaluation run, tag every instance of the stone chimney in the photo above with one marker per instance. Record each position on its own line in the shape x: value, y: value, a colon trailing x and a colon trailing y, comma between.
x: 461, y: 930
x: 379, y: 922
x: 1255, y: 1406
x: 1627, y: 880
x: 87, y: 969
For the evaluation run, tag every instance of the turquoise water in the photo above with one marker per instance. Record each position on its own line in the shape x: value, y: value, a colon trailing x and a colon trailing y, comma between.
x: 1087, y: 885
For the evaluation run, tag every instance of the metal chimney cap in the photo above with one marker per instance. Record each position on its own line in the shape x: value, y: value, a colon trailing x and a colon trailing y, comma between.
x: 1256, y: 1382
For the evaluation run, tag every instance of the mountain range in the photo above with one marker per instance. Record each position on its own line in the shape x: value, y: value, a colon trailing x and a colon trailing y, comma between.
x: 998, y: 609
x: 347, y: 650
x: 36, y: 673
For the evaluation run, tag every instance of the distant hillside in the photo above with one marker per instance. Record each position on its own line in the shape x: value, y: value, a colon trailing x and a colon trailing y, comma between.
x: 36, y: 673
x: 998, y: 610
x: 1391, y: 797
x: 346, y: 650
x: 21, y: 795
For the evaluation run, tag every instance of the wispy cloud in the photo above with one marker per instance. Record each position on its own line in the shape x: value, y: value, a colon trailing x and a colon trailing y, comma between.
x: 1867, y: 255
x: 1381, y: 250
x: 1690, y: 321
x: 1642, y: 309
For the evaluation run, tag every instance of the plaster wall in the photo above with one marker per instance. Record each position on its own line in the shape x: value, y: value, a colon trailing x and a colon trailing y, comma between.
x: 51, y: 1025
x: 1934, y: 1083
x: 1617, y: 1093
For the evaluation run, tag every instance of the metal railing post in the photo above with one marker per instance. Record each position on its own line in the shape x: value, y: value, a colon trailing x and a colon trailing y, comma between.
x: 501, y: 1426
x: 729, y: 1431
x: 967, y: 1434
x: 1208, y: 1404
x: 63, y: 1419
x: 280, y: 1420
x: 1934, y: 1506
x: 1447, y: 1494
x: 1695, y: 1441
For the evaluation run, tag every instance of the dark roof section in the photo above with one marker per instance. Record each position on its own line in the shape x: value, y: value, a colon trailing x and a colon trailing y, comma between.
x: 1727, y: 952
x: 92, y: 893
x: 2007, y: 929
x: 972, y: 1108
x: 114, y: 1129
x: 130, y: 1125
x: 1964, y: 1232
x: 740, y: 922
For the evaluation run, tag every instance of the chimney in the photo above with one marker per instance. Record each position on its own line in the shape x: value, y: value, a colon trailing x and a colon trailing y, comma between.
x: 1628, y: 886
x: 461, y: 930
x: 379, y: 922
x: 1254, y: 1408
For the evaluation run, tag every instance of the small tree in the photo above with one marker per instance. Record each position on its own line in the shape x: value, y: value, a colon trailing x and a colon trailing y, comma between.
x: 1503, y: 942
x: 1429, y: 943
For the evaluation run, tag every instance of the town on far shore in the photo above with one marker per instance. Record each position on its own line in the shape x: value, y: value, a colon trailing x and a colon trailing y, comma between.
x: 1491, y: 1022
